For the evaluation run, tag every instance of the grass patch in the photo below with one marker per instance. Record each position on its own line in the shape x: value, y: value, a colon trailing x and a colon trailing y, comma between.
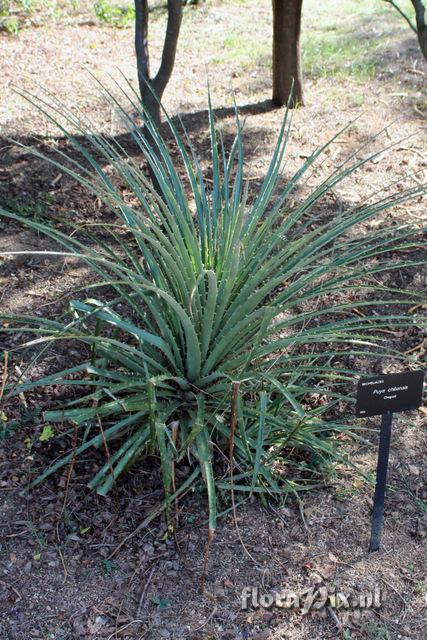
x: 329, y: 55
x: 348, y: 38
x: 246, y: 52
x: 339, y: 39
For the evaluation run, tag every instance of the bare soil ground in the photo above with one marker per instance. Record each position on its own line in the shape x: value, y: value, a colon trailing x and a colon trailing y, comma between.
x: 70, y: 566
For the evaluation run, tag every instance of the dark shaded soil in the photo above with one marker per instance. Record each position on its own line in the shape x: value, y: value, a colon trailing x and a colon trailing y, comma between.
x: 61, y: 576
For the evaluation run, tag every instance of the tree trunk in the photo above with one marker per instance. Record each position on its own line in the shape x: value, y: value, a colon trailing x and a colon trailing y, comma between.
x: 287, y: 74
x: 421, y: 25
x: 152, y: 89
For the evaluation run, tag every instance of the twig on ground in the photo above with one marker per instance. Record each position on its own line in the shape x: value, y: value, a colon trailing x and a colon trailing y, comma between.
x: 154, y: 513
x: 278, y: 514
x: 334, y: 618
x: 4, y: 376
x: 144, y: 591
x: 64, y: 502
x: 210, y: 616
x: 120, y: 607
x: 110, y: 524
x: 233, y: 424
x: 64, y: 566
x: 117, y: 631
x: 416, y: 348
x: 21, y: 395
x: 301, y: 510
x: 395, y: 591
x: 107, y: 452
x: 174, y: 427
x: 205, y: 566
x: 9, y: 586
x: 416, y: 307
x: 67, y: 484
x: 416, y: 151
x: 18, y: 533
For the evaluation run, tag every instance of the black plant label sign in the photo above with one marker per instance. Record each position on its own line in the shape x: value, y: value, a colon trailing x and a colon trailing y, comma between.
x: 392, y: 393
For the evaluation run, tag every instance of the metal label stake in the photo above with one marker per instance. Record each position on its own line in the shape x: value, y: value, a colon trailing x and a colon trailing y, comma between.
x: 382, y: 396
x: 381, y: 482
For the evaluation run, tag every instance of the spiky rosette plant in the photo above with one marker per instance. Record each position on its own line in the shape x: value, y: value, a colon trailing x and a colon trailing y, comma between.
x: 219, y: 323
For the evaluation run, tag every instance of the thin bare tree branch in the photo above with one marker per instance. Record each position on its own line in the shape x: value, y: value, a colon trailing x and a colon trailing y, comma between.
x: 151, y: 89
x: 402, y: 13
x: 421, y: 28
x: 169, y: 47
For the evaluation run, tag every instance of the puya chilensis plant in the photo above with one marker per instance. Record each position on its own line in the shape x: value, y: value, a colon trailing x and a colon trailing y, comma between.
x: 221, y: 318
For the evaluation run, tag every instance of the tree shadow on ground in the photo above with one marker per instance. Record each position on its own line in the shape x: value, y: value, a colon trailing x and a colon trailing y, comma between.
x: 26, y: 178
x: 35, y: 188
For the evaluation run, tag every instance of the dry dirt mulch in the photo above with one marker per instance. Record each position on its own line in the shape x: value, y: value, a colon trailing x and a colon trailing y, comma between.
x: 65, y: 572
x: 62, y: 575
